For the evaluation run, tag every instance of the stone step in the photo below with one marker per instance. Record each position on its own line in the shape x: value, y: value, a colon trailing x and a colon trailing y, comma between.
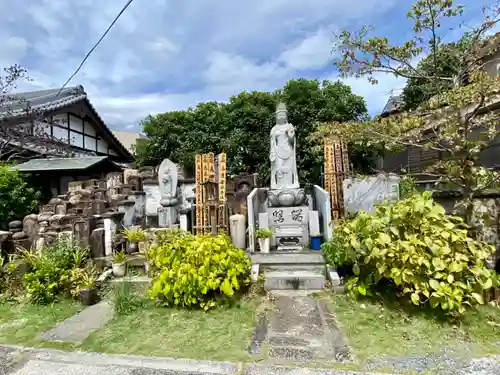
x: 316, y: 268
x: 134, y: 260
x: 287, y: 258
x: 286, y: 280
x: 137, y: 283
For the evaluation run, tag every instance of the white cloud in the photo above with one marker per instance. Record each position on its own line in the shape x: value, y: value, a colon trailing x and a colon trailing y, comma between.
x: 378, y: 94
x: 235, y: 72
x: 313, y: 52
x: 165, y: 55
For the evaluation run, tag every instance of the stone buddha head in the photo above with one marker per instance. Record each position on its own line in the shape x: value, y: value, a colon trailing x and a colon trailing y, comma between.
x: 281, y: 114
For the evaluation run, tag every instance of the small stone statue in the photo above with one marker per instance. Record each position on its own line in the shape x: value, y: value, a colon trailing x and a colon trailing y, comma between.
x: 167, y: 179
x: 283, y: 152
x: 167, y: 182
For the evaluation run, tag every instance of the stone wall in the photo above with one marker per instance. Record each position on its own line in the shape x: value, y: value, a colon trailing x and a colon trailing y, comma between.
x: 487, y: 214
x: 323, y: 206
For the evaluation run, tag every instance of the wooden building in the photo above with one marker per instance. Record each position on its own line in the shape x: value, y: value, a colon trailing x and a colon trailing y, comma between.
x: 47, y: 123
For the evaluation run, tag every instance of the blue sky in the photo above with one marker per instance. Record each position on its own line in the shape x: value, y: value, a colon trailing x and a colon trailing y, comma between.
x: 164, y: 55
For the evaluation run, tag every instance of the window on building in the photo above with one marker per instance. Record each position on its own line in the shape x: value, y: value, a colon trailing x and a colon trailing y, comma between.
x: 102, y: 146
x: 60, y: 134
x: 90, y: 143
x: 76, y: 139
x: 75, y: 123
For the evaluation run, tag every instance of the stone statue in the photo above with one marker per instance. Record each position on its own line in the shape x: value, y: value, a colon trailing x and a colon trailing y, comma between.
x: 167, y: 178
x: 167, y: 182
x: 282, y: 155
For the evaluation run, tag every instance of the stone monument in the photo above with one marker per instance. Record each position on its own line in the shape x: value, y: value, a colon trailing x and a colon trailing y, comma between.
x: 287, y: 207
x: 285, y: 190
x: 167, y: 179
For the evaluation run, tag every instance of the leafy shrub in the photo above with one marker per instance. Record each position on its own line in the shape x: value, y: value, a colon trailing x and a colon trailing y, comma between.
x: 135, y: 234
x: 170, y: 235
x: 418, y: 250
x: 196, y: 271
x: 17, y: 198
x: 264, y: 233
x: 55, y: 270
x: 11, y: 279
x: 119, y: 257
x: 78, y: 279
x: 125, y: 301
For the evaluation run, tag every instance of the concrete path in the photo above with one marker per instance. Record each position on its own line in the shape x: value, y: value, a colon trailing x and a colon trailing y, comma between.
x: 300, y: 329
x: 25, y: 361
x: 78, y: 327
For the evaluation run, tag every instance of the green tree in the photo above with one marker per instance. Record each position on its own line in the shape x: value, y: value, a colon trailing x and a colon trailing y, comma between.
x: 241, y: 127
x: 17, y: 197
x: 448, y: 61
x: 458, y: 122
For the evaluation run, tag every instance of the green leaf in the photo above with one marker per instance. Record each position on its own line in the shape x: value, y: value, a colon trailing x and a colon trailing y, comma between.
x: 434, y: 284
x: 478, y: 297
x: 415, y: 298
x: 384, y: 238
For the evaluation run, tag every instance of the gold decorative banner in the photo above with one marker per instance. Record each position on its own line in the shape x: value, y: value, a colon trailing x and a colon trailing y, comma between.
x: 199, y: 190
x: 221, y: 179
x: 211, y: 173
x: 336, y: 169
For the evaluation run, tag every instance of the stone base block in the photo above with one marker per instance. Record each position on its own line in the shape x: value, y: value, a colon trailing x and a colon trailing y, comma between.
x: 298, y: 280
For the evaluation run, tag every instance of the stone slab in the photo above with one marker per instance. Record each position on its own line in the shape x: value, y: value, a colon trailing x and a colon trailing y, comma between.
x: 78, y: 327
x: 139, y: 283
x: 288, y: 258
x: 263, y: 220
x: 48, y: 368
x: 362, y: 194
x: 315, y: 268
x: 293, y: 279
x: 288, y: 215
x: 47, y: 362
x: 299, y: 330
x: 259, y: 369
x: 314, y: 227
x: 333, y: 277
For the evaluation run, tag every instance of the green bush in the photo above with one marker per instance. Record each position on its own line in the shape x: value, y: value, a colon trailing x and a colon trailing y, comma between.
x: 54, y: 271
x: 170, y: 235
x: 11, y: 279
x: 125, y: 301
x: 17, y: 198
x: 196, y: 271
x: 414, y: 248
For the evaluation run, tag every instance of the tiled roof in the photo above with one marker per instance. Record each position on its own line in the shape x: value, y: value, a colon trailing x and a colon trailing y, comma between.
x: 43, y: 100
x: 48, y: 100
x: 393, y: 104
x: 57, y: 164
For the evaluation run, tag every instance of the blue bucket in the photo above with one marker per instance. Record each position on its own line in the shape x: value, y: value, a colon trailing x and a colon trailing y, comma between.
x: 316, y: 243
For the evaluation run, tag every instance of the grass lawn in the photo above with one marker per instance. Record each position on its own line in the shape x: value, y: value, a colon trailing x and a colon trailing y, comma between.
x: 21, y: 322
x: 373, y: 329
x: 220, y: 334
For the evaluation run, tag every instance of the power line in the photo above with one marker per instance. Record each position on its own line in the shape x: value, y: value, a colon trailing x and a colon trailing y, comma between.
x: 95, y: 45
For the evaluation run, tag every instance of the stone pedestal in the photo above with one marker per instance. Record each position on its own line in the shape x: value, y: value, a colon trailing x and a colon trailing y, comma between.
x: 167, y: 217
x: 183, y: 218
x: 139, y: 198
x: 127, y: 207
x: 286, y: 198
x: 112, y: 222
x: 289, y: 226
